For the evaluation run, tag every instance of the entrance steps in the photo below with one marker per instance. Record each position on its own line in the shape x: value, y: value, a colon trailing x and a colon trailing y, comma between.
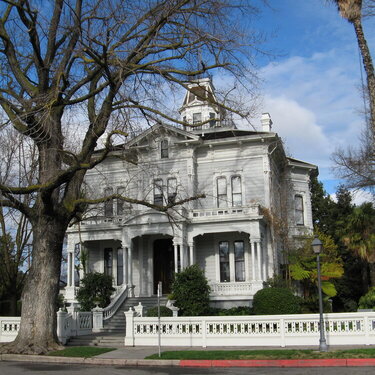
x: 113, y: 332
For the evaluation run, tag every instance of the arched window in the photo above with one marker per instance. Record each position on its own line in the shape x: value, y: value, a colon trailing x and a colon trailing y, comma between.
x: 171, y: 189
x: 236, y: 191
x: 158, y: 192
x: 108, y: 205
x: 221, y: 186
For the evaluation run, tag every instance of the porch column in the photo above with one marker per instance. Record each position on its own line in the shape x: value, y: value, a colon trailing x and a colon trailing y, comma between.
x: 182, y: 256
x: 175, y: 248
x: 130, y: 261
x: 125, y: 262
x: 247, y: 261
x: 114, y: 266
x: 252, y: 245
x: 259, y: 254
x: 191, y: 253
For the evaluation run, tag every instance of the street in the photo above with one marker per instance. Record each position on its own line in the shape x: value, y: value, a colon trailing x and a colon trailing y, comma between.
x: 18, y: 368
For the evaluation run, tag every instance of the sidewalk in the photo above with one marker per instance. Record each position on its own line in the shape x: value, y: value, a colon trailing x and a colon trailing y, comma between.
x: 135, y: 356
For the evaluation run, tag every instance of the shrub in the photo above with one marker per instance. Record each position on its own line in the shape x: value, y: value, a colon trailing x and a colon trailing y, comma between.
x: 164, y: 311
x: 191, y: 291
x: 368, y: 300
x: 96, y: 289
x: 274, y: 301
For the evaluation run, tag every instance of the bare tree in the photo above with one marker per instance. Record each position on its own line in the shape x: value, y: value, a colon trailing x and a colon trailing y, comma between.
x: 88, y: 60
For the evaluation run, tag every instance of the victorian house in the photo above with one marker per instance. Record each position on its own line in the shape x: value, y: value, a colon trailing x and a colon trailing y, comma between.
x: 248, y: 182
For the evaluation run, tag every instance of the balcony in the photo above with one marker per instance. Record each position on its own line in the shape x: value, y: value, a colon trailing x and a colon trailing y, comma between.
x: 248, y: 212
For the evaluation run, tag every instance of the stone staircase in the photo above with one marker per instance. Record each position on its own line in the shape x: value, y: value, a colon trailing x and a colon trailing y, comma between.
x: 113, y: 332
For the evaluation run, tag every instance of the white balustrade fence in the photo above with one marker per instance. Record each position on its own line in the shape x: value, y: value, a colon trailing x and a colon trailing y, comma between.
x: 280, y: 330
x: 9, y: 327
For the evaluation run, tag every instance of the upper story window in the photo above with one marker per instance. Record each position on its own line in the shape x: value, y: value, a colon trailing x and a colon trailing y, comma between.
x: 158, y: 192
x: 164, y: 154
x: 197, y: 118
x: 120, y: 202
x: 299, y: 210
x: 236, y: 191
x: 172, y: 189
x: 108, y: 205
x: 221, y: 187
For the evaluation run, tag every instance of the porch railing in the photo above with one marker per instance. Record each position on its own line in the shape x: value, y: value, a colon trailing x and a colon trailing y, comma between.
x: 273, y: 330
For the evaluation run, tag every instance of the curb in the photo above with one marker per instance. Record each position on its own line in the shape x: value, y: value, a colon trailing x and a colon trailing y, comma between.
x: 334, y: 362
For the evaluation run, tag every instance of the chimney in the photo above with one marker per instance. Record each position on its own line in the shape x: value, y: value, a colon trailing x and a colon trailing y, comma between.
x: 266, y: 122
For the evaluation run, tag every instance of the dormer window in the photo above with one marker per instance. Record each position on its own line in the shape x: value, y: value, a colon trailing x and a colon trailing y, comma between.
x: 164, y: 149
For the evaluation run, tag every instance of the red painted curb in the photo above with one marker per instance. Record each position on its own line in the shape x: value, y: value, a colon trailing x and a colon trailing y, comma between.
x: 360, y: 362
x: 331, y: 362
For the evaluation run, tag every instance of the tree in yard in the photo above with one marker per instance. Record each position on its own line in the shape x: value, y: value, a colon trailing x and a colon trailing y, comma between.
x: 359, y: 236
x: 96, y: 62
x: 357, y: 167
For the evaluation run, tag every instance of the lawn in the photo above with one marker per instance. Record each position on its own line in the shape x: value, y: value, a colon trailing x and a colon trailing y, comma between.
x: 80, y: 351
x: 264, y: 354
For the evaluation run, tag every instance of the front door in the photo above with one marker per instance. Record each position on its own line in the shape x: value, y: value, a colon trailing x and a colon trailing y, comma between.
x: 163, y: 264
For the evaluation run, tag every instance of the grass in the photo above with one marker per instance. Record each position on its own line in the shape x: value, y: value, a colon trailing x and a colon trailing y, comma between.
x: 264, y: 354
x: 80, y: 351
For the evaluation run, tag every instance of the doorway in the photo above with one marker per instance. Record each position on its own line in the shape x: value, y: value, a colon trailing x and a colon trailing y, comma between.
x: 163, y: 264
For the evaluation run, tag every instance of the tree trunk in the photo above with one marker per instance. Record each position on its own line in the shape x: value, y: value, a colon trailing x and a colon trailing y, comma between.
x: 37, y: 333
x: 369, y: 68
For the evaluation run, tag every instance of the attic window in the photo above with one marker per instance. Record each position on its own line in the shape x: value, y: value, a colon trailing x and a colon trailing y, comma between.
x: 164, y: 149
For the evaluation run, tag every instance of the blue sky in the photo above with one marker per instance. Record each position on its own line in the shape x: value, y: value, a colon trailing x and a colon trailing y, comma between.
x: 311, y: 88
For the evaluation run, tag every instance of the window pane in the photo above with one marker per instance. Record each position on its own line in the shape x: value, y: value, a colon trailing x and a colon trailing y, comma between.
x: 239, y: 259
x: 299, y: 211
x: 224, y: 261
x: 120, y: 202
x: 108, y: 260
x: 197, y: 118
x: 172, y: 189
x: 158, y: 192
x: 164, y: 148
x: 221, y: 192
x: 108, y: 206
x: 236, y: 191
x: 212, y: 120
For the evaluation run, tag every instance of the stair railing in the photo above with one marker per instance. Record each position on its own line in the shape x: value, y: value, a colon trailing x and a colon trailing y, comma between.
x: 117, y: 301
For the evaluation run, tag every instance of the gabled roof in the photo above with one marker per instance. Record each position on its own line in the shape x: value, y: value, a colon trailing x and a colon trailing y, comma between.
x: 168, y: 128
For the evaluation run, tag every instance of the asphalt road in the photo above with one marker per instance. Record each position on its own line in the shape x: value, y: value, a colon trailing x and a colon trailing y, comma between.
x: 18, y: 368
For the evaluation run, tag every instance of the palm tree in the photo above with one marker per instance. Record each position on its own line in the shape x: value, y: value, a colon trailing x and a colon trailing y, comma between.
x: 352, y: 11
x: 360, y: 236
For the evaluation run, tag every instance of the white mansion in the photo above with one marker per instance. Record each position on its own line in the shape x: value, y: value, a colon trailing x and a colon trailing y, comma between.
x: 247, y: 181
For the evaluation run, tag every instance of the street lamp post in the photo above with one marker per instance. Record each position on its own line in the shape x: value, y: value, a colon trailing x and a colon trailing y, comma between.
x: 317, y: 247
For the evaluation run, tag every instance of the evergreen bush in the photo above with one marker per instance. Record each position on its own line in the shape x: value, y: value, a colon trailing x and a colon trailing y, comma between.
x: 368, y: 300
x: 96, y: 289
x: 164, y: 311
x: 191, y: 291
x: 275, y: 301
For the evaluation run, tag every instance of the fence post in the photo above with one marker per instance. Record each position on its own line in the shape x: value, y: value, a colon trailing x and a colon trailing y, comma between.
x: 282, y: 332
x: 129, y: 330
x: 139, y: 309
x: 97, y: 319
x: 366, y: 328
x: 61, y: 334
